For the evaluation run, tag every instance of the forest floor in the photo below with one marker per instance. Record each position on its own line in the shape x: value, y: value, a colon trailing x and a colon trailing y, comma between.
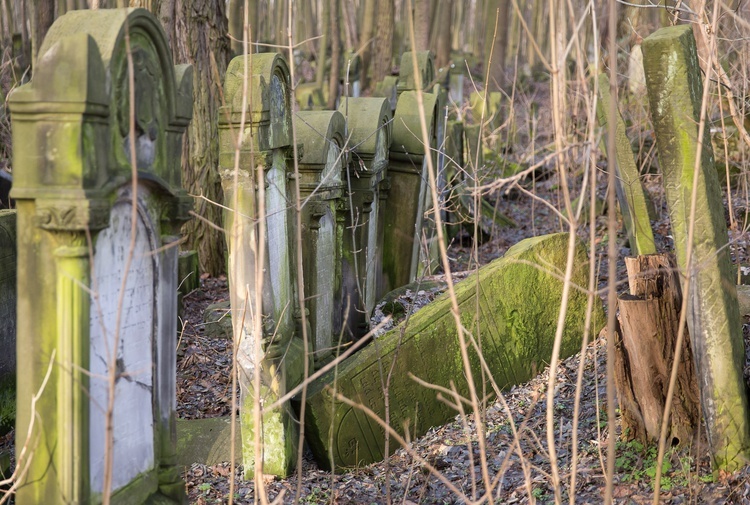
x: 520, y: 472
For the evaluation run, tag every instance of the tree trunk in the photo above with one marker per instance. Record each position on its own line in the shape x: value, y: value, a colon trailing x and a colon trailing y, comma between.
x: 422, y: 24
x: 320, y: 70
x: 43, y: 16
x: 236, y: 15
x: 496, y: 10
x: 368, y: 26
x: 646, y: 340
x: 333, y: 77
x: 201, y: 31
x: 383, y: 48
x: 442, y: 31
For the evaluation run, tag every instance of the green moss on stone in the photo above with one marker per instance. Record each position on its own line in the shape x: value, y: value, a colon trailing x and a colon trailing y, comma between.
x: 518, y: 308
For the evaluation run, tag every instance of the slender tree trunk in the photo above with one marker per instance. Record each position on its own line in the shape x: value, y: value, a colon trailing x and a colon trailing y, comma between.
x: 197, y: 29
x: 323, y: 48
x: 422, y: 24
x: 496, y: 9
x: 43, y: 16
x: 368, y: 27
x: 442, y: 31
x: 333, y: 77
x: 383, y: 49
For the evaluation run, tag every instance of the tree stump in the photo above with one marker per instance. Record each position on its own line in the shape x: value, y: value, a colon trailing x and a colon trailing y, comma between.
x: 646, y: 340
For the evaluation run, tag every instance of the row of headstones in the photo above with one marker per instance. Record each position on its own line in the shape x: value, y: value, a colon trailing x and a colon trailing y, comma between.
x: 363, y: 183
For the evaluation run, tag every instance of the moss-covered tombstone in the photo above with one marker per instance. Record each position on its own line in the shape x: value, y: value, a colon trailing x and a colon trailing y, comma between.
x: 369, y: 129
x: 261, y: 148
x: 321, y: 135
x: 409, y: 80
x: 515, y: 313
x: 675, y: 89
x: 97, y: 262
x: 405, y: 210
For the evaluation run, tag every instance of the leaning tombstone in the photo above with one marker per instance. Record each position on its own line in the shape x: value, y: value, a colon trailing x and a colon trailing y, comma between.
x: 517, y: 325
x: 409, y: 185
x: 675, y: 89
x: 262, y: 151
x: 100, y: 205
x: 321, y: 135
x: 369, y: 127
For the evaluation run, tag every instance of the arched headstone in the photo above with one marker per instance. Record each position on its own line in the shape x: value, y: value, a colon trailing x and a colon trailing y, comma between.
x: 321, y: 135
x: 263, y: 149
x: 408, y: 197
x: 97, y: 272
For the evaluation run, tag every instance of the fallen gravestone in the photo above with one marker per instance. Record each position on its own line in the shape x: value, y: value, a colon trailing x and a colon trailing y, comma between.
x: 207, y: 441
x: 97, y: 303
x: 515, y: 313
x: 675, y: 89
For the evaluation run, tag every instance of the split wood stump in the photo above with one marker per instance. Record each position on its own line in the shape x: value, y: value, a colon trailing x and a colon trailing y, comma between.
x: 646, y: 346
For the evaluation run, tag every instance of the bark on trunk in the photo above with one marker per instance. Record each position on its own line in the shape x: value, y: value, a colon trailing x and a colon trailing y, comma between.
x: 383, y: 49
x: 368, y: 26
x: 422, y: 24
x: 646, y: 339
x: 197, y: 29
x: 333, y: 77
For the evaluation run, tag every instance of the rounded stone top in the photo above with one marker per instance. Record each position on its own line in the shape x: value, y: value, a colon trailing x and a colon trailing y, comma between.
x: 366, y: 117
x: 317, y: 131
x: 407, y: 129
x: 425, y: 63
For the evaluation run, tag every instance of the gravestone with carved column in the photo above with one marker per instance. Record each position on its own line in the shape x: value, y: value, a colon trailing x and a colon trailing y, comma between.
x: 100, y: 204
x: 262, y: 277
x: 322, y: 137
x: 409, y: 184
x: 369, y: 128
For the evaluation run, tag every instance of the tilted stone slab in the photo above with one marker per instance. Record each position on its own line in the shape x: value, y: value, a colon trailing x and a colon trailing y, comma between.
x: 675, y: 89
x: 80, y: 269
x: 518, y: 309
x: 630, y: 193
x: 369, y: 126
x: 322, y: 137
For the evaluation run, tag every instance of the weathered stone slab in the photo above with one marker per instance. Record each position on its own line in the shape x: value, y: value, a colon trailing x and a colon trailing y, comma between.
x: 408, y: 189
x: 516, y: 313
x: 7, y: 294
x: 265, y: 144
x: 388, y: 88
x: 407, y: 79
x: 369, y: 124
x: 188, y: 272
x: 675, y: 90
x: 207, y: 441
x: 96, y: 303
x: 630, y: 193
x: 322, y: 136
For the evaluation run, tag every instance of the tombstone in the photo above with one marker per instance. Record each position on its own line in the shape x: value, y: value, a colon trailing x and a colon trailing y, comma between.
x: 675, y: 89
x: 407, y: 79
x: 409, y: 184
x: 309, y: 96
x: 388, y: 88
x: 81, y: 270
x: 456, y: 85
x: 7, y: 296
x: 631, y: 196
x: 517, y: 325
x: 264, y: 148
x: 369, y: 127
x: 322, y: 136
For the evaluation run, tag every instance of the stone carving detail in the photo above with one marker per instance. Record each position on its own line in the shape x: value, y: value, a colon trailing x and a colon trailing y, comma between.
x: 70, y: 216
